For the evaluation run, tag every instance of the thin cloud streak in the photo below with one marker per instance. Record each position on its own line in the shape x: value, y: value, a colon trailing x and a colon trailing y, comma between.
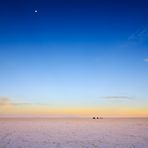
x: 116, y: 97
x: 7, y: 101
x: 139, y: 35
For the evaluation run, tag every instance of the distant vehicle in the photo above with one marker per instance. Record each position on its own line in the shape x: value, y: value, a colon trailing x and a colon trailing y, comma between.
x: 97, y: 118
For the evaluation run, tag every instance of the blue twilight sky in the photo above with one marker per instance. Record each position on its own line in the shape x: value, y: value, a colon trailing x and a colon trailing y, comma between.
x: 74, y: 53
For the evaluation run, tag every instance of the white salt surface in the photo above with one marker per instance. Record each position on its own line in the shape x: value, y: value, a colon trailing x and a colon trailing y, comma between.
x: 73, y: 133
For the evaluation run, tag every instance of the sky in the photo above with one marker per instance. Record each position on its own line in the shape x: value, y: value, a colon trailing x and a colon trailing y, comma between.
x: 74, y: 58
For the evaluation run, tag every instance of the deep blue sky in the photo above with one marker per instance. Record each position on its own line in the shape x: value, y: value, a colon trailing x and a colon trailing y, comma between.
x: 70, y: 21
x: 74, y: 53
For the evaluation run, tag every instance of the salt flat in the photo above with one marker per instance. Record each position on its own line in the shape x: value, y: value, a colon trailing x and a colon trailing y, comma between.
x: 73, y: 133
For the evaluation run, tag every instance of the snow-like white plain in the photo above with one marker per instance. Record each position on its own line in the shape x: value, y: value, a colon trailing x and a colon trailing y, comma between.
x: 73, y: 133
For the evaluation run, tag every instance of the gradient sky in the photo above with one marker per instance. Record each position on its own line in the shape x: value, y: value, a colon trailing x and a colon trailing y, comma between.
x: 74, y: 57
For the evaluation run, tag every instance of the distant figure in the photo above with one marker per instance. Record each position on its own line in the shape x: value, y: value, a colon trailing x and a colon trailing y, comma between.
x: 97, y: 117
x: 94, y: 118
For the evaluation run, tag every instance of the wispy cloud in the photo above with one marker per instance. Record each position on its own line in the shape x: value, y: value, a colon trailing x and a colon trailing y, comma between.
x: 7, y: 101
x: 116, y: 97
x: 146, y: 60
x: 138, y: 39
x: 139, y: 35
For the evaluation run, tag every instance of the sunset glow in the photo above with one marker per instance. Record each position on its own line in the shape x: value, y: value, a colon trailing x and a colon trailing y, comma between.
x: 71, y: 58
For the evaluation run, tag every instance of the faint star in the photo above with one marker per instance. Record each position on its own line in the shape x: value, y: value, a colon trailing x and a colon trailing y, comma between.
x: 35, y: 11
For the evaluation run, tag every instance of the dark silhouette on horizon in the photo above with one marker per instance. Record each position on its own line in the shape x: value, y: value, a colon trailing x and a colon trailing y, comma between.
x: 97, y: 118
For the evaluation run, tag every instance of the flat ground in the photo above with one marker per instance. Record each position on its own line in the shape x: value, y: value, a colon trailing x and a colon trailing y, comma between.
x: 73, y: 133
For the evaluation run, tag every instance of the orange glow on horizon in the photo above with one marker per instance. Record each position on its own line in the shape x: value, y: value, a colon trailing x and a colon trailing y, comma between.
x: 100, y: 111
